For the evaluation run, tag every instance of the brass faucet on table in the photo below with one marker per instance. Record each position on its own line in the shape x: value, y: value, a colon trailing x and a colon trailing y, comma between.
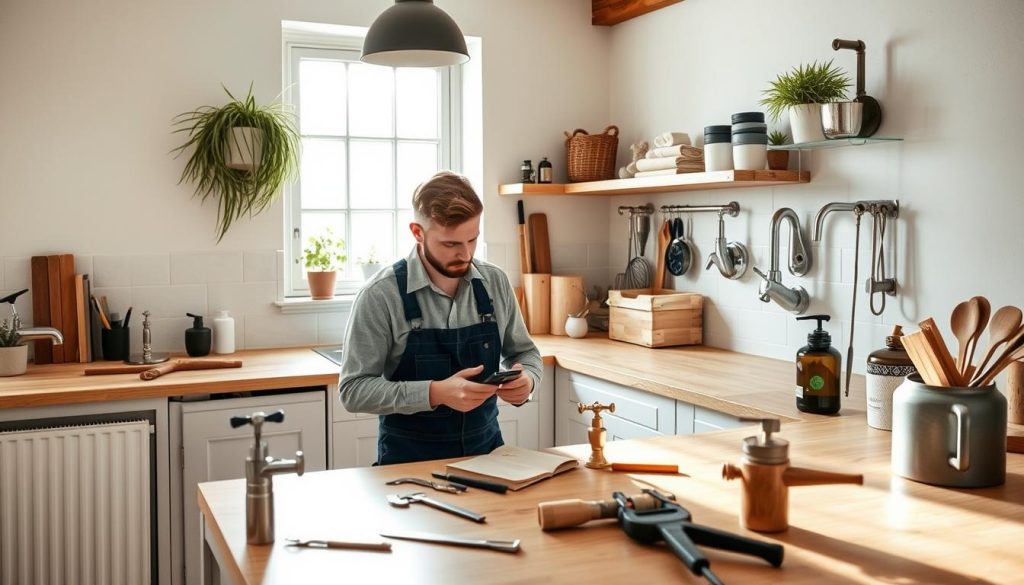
x: 596, y: 433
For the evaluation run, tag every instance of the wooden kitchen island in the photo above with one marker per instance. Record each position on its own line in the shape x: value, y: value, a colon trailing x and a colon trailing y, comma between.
x: 890, y: 530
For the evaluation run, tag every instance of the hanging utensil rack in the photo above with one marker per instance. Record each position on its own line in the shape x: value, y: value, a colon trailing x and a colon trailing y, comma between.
x: 732, y: 209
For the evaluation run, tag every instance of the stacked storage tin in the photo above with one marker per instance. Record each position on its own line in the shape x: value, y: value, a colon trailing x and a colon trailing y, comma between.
x: 749, y: 141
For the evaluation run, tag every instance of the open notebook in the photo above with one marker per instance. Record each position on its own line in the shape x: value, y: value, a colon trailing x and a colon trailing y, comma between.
x: 513, y: 466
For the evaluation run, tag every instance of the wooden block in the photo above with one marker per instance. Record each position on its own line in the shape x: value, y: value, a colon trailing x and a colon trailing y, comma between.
x: 537, y: 288
x: 946, y: 365
x: 69, y: 308
x: 916, y: 347
x: 56, y: 307
x: 43, y: 348
x: 83, y: 327
x: 1015, y: 444
x: 541, y: 247
x: 656, y: 318
x: 567, y: 297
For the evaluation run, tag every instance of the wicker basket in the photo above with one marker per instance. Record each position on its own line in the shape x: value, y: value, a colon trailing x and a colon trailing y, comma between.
x: 591, y: 157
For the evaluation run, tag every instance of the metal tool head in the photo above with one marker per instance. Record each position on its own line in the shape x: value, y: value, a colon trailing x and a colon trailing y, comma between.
x: 451, y: 488
x: 404, y: 501
x: 306, y: 543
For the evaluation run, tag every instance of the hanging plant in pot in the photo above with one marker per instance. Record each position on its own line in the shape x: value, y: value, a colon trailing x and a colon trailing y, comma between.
x: 13, y: 353
x: 801, y: 92
x: 242, y: 153
x: 324, y: 256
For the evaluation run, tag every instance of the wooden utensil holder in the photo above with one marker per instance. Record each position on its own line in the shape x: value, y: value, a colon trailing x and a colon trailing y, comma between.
x: 656, y: 317
x: 537, y: 288
x: 1015, y: 392
x: 567, y: 297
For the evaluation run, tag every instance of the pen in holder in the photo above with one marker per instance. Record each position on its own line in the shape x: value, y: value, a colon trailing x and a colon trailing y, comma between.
x: 115, y: 343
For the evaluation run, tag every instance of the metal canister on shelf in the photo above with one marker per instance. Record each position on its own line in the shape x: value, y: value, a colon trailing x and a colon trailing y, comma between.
x: 887, y: 367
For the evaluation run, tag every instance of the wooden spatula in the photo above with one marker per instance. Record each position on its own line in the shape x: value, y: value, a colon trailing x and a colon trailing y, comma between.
x: 939, y: 354
x: 664, y: 237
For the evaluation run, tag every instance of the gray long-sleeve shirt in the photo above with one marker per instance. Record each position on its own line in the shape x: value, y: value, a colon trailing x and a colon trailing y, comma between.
x: 378, y: 331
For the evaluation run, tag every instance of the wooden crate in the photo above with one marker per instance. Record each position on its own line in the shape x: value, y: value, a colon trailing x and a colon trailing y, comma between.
x: 656, y: 317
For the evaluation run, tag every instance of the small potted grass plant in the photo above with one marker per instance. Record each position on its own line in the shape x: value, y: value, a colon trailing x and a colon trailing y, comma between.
x: 800, y: 92
x: 324, y: 256
x: 778, y: 160
x: 13, y: 353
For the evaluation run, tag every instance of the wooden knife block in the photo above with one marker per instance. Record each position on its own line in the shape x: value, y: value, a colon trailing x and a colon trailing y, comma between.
x: 537, y: 288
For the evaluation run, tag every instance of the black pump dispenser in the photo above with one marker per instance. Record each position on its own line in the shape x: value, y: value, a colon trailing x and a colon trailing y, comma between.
x: 198, y: 338
x: 819, y: 339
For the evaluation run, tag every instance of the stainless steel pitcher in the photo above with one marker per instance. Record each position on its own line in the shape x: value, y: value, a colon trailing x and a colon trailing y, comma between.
x: 954, y: 437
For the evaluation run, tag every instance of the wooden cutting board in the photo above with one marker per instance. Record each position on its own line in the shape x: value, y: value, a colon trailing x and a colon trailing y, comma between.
x: 541, y: 247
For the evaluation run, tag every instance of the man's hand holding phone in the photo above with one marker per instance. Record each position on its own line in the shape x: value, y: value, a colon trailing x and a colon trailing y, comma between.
x: 518, y: 389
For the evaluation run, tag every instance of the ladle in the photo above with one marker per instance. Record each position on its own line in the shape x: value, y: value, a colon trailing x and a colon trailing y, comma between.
x: 964, y: 322
x: 1004, y: 326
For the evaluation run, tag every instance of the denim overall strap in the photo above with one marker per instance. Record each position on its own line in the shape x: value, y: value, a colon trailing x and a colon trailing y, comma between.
x: 409, y: 304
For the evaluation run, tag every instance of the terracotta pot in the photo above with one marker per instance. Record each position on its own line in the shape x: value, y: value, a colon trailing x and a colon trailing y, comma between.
x: 778, y: 160
x: 321, y: 284
x: 13, y: 360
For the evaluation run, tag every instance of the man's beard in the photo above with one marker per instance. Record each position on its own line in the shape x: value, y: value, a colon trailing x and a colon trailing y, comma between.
x: 442, y: 268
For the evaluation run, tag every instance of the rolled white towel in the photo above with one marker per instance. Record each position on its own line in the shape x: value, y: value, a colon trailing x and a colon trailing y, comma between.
x: 671, y: 139
x: 658, y: 173
x: 683, y: 150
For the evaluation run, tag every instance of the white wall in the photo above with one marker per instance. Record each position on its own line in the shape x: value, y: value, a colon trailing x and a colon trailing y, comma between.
x: 90, y: 89
x: 949, y: 77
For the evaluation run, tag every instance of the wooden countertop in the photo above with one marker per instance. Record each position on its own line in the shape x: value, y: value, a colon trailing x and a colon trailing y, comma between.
x: 888, y: 530
x: 261, y: 370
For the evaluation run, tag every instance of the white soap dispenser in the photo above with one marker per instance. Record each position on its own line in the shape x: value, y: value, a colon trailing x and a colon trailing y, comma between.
x: 223, y: 333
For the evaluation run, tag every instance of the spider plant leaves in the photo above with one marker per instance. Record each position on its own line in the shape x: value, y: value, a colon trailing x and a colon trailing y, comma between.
x: 238, y: 192
x: 816, y: 83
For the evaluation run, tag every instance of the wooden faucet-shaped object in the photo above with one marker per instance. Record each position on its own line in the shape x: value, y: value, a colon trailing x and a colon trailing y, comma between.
x: 767, y: 477
x: 596, y: 434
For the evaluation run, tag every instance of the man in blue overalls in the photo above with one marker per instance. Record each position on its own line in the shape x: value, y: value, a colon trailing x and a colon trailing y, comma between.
x: 424, y: 332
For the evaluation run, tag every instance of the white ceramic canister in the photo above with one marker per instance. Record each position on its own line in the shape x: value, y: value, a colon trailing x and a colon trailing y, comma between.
x: 717, y: 148
x: 750, y: 151
x: 223, y: 333
x: 576, y: 327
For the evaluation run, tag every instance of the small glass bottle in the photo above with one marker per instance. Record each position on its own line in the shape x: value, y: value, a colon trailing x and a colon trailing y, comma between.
x: 526, y: 172
x: 544, y: 171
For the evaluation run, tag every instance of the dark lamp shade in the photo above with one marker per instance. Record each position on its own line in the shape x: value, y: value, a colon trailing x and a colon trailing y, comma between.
x: 414, y: 33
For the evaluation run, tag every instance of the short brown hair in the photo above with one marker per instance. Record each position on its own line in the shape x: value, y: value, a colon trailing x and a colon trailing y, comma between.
x: 446, y: 199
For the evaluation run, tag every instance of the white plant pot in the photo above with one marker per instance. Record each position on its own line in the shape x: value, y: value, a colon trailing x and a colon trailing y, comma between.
x: 244, y: 148
x: 13, y: 360
x: 805, y: 123
x: 369, y: 270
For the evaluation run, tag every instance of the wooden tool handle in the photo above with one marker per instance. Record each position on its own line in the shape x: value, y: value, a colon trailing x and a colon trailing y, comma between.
x: 1015, y: 444
x: 525, y: 267
x: 645, y: 467
x: 183, y: 364
x: 797, y: 476
x: 125, y: 369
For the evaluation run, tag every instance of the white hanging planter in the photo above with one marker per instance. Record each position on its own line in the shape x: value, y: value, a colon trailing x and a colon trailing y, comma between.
x: 805, y: 123
x: 245, y: 148
x: 13, y: 360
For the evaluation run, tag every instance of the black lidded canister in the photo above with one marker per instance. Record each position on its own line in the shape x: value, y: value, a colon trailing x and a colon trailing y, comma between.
x: 197, y: 337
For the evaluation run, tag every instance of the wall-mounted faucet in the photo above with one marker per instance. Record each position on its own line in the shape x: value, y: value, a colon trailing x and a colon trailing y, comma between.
x: 731, y: 258
x: 33, y: 333
x: 796, y: 299
x: 259, y: 471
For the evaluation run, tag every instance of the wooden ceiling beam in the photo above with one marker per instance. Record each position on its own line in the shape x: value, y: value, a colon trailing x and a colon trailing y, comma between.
x: 611, y: 12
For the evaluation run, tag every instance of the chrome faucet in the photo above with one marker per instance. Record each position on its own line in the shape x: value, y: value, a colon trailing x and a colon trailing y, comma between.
x: 889, y: 207
x: 796, y: 299
x: 731, y: 258
x: 259, y: 471
x: 32, y: 333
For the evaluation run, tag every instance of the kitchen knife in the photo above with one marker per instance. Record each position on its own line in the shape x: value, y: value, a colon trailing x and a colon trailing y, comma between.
x: 524, y: 241
x: 471, y: 482
x: 510, y: 546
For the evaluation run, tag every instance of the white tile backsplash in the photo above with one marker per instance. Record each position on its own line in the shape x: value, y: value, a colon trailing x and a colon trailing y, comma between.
x: 169, y: 301
x: 242, y: 298
x: 330, y: 327
x: 151, y: 270
x: 206, y: 267
x: 17, y: 274
x: 110, y: 271
x: 280, y: 330
x: 259, y: 266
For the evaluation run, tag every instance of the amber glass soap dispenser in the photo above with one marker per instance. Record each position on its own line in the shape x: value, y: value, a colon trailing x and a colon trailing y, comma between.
x: 817, y: 371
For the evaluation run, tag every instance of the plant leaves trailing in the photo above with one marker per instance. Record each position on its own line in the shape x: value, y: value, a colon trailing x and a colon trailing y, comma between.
x: 238, y: 192
x: 807, y: 84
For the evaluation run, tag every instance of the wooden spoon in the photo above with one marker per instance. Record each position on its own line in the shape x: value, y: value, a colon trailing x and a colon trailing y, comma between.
x: 1005, y: 360
x: 984, y: 312
x: 964, y: 322
x: 1005, y: 324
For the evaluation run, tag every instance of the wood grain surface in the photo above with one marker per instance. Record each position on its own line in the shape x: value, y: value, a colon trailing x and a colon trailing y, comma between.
x: 890, y: 530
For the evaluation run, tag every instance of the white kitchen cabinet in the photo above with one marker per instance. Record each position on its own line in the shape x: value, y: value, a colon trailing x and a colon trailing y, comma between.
x: 637, y: 413
x: 354, y: 442
x: 706, y: 420
x: 211, y: 450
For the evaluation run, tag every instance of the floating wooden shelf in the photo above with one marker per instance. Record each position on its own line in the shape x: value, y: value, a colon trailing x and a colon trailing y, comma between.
x: 663, y: 183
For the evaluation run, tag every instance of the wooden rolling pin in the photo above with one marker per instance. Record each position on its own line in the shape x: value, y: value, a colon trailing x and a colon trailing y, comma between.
x: 151, y: 372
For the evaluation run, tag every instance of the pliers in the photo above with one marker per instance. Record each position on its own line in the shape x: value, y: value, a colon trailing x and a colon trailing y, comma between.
x: 450, y: 487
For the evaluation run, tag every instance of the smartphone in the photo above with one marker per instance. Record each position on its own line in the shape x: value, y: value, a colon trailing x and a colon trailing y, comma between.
x: 502, y: 377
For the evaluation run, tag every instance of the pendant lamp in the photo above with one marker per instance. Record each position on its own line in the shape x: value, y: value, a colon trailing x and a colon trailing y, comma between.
x: 414, y: 33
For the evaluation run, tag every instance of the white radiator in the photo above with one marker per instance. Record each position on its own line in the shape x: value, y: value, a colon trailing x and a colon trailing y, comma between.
x: 75, y: 505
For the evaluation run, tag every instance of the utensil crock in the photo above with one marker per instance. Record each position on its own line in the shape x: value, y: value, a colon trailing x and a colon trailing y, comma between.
x: 841, y: 119
x: 952, y: 437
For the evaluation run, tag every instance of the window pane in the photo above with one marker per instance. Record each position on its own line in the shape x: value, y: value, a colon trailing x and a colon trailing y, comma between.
x: 373, y: 232
x: 322, y: 97
x: 405, y: 239
x: 416, y: 91
x: 314, y: 224
x: 372, y: 167
x: 371, y: 95
x: 323, y: 174
x: 417, y: 162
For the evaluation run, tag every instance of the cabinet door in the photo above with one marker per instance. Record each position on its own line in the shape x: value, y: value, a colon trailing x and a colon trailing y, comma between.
x: 355, y: 443
x: 706, y: 420
x: 212, y: 450
x: 519, y: 425
x: 637, y: 413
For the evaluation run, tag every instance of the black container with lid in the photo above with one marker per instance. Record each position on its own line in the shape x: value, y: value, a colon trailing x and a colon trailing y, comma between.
x: 197, y: 338
x: 817, y: 371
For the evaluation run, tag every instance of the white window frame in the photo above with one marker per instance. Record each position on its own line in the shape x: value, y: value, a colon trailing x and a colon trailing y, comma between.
x: 347, y: 44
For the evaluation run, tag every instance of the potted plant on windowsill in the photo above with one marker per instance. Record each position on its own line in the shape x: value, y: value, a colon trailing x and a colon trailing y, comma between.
x: 242, y: 153
x: 778, y: 160
x: 370, y: 264
x: 13, y: 353
x: 324, y: 256
x: 801, y: 92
